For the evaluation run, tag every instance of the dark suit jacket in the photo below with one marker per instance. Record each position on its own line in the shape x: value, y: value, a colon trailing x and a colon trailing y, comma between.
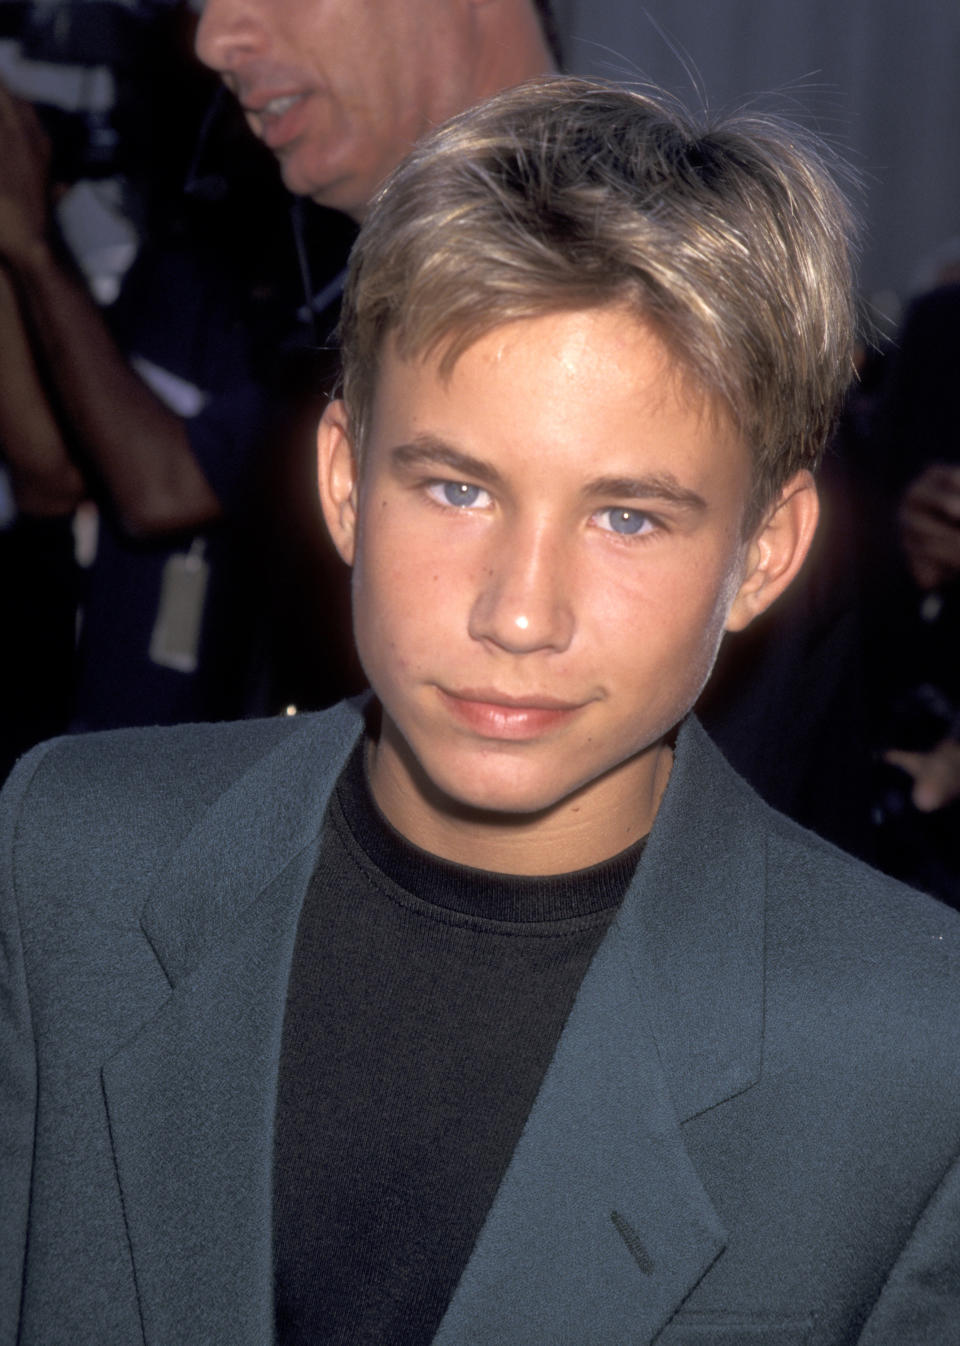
x: 747, y: 1134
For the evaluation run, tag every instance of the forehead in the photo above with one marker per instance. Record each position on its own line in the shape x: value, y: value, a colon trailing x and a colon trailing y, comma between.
x: 577, y: 353
x: 592, y: 391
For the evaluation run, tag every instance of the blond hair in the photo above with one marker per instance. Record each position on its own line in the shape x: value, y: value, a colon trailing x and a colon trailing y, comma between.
x: 729, y: 235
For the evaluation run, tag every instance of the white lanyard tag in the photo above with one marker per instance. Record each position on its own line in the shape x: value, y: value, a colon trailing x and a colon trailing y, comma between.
x: 176, y: 632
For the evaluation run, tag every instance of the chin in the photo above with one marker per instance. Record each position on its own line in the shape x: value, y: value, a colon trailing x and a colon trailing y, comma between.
x: 327, y: 182
x: 507, y: 787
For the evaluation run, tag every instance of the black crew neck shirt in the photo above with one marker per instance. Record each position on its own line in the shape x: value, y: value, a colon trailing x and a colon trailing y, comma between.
x: 425, y: 1001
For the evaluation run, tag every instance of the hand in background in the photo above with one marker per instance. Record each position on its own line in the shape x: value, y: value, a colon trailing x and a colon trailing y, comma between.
x: 139, y: 448
x: 929, y: 519
x: 936, y: 774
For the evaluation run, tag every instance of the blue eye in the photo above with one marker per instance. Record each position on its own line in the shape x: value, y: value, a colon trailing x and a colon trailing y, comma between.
x: 627, y: 522
x: 460, y: 494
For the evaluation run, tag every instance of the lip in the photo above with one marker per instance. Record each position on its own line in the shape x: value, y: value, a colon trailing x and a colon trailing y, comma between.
x: 492, y: 714
x: 276, y: 129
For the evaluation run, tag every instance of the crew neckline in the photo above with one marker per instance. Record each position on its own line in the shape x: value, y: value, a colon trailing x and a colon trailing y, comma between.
x: 470, y: 891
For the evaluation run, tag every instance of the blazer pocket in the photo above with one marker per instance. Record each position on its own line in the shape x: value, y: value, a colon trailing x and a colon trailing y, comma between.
x: 735, y: 1329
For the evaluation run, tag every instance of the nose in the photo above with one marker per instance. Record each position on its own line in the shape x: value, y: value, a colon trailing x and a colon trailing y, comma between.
x: 229, y: 32
x: 524, y: 600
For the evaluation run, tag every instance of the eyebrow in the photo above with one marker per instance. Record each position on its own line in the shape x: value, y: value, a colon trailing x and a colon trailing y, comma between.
x: 655, y: 486
x: 430, y: 451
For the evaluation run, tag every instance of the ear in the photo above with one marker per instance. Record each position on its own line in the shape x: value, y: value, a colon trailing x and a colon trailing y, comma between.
x: 776, y: 551
x: 337, y: 479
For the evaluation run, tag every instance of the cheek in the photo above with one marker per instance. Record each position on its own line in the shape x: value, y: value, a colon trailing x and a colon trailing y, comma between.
x: 407, y: 598
x: 705, y: 605
x: 655, y: 591
x: 665, y: 618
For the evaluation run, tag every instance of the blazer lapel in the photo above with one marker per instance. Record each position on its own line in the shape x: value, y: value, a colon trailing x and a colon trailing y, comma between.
x: 601, y: 1227
x: 191, y: 1098
x: 693, y: 923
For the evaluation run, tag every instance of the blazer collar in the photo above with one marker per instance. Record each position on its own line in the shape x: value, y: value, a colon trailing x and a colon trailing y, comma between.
x: 246, y: 838
x: 601, y: 1226
x: 693, y: 923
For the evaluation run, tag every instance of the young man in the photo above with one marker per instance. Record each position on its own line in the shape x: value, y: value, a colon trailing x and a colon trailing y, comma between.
x: 498, y: 1009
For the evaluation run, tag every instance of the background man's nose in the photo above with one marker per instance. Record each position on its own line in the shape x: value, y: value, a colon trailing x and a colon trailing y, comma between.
x: 229, y: 30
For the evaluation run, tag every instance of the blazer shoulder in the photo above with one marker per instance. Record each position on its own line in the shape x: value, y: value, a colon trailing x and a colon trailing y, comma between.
x: 838, y: 932
x: 805, y: 871
x: 201, y: 758
x: 853, y: 893
x: 865, y: 971
x: 109, y: 808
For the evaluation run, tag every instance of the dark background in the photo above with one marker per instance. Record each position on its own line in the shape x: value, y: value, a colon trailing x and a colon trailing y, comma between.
x: 879, y: 78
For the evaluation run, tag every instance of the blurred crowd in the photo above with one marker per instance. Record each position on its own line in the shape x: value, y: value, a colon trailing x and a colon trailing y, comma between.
x: 159, y: 373
x: 168, y: 319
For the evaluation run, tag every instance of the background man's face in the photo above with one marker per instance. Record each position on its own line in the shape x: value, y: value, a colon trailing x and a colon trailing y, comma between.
x: 339, y: 89
x: 546, y: 549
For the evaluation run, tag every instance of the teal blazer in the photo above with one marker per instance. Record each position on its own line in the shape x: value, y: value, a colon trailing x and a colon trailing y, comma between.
x: 748, y: 1132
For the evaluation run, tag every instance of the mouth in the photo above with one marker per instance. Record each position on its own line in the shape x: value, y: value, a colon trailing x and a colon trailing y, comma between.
x: 276, y: 120
x: 492, y: 714
x: 276, y: 107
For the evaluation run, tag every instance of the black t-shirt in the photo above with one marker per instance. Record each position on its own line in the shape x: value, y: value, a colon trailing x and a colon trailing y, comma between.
x: 424, y: 1005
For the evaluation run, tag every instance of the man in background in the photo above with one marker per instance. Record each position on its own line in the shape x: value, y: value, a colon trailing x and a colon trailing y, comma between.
x: 340, y: 92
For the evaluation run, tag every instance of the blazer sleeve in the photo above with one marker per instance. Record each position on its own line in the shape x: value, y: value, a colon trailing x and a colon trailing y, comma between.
x: 18, y: 1068
x: 920, y: 1302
